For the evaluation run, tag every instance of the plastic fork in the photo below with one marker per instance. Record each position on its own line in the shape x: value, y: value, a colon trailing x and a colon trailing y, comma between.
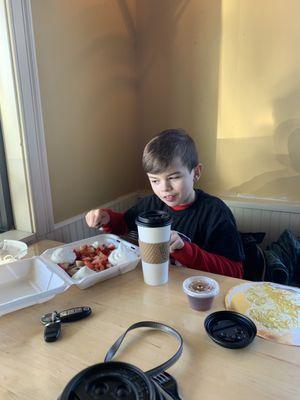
x: 168, y: 383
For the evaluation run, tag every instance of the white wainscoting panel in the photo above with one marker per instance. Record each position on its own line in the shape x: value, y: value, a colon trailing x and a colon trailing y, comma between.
x: 76, y: 228
x: 272, y: 222
x: 250, y: 218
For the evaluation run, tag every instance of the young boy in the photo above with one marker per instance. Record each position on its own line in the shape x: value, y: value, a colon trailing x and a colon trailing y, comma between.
x: 204, y: 234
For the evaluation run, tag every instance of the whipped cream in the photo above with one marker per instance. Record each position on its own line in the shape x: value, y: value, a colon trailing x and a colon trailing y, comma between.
x: 63, y: 255
x: 83, y: 272
x: 121, y: 255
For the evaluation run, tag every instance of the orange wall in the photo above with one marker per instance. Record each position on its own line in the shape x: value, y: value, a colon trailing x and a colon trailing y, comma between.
x: 86, y: 60
x: 114, y: 73
x: 178, y: 53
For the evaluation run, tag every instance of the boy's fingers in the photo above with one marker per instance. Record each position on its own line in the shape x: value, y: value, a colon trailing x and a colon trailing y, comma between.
x: 176, y: 242
x: 175, y: 246
x: 89, y: 218
x: 173, y: 237
x: 93, y: 218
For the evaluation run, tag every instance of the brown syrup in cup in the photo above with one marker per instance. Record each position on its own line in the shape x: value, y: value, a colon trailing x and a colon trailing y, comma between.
x: 199, y: 286
x: 201, y: 292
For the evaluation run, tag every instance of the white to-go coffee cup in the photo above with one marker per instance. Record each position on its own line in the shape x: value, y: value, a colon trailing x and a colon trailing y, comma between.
x: 154, y: 230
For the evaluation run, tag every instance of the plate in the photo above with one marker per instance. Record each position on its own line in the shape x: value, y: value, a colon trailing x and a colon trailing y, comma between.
x: 274, y: 308
x: 11, y: 250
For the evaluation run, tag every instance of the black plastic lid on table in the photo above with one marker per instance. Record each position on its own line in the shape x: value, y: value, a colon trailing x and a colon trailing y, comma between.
x: 110, y: 380
x: 230, y: 329
x: 153, y: 219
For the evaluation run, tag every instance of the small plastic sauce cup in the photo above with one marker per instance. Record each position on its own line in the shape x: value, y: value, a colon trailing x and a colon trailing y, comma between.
x: 201, y: 292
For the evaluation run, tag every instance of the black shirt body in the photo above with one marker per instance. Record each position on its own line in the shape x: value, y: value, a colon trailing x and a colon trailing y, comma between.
x: 207, y: 222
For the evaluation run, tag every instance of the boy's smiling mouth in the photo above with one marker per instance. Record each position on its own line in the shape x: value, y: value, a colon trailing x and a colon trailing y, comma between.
x: 170, y: 198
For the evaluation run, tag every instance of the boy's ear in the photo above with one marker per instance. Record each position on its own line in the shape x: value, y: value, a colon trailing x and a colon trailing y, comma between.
x: 197, y: 172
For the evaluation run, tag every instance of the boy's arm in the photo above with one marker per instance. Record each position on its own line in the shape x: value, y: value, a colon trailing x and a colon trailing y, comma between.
x: 193, y: 256
x: 117, y: 224
x: 122, y: 223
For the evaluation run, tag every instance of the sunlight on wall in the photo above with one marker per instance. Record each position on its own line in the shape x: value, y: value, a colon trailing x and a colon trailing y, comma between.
x: 258, y: 140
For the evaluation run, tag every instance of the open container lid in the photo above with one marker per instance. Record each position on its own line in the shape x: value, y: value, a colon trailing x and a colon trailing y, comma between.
x: 230, y: 329
x: 27, y: 282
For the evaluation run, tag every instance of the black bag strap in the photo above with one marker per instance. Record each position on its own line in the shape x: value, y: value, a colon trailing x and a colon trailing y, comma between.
x: 153, y: 325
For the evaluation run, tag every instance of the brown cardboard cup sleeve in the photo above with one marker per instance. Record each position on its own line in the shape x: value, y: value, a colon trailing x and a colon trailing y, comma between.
x: 154, y: 253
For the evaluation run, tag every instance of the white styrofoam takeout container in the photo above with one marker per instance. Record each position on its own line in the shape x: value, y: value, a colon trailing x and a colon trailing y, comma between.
x: 27, y: 282
x: 115, y: 270
x: 38, y: 279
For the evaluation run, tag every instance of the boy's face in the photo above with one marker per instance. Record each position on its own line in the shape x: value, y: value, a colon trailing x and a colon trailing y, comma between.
x: 174, y: 186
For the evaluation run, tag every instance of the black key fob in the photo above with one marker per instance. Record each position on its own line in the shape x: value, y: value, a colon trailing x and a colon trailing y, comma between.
x: 74, y: 314
x: 52, y: 331
x: 69, y: 315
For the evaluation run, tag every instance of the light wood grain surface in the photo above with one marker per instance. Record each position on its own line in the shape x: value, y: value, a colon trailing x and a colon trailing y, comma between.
x: 36, y: 370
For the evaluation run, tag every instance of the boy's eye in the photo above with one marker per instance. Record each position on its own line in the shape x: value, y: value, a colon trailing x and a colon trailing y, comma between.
x: 174, y: 177
x: 154, y: 180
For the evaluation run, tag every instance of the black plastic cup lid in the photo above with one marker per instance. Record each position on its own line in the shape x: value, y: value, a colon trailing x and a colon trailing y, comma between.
x: 110, y: 380
x: 230, y: 329
x: 153, y: 219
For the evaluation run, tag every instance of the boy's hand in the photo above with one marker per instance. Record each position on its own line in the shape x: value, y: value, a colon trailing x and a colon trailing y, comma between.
x: 97, y: 218
x: 176, y: 243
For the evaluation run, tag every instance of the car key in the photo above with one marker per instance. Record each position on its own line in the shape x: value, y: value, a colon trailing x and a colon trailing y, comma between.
x: 74, y: 314
x: 69, y: 315
x: 52, y: 329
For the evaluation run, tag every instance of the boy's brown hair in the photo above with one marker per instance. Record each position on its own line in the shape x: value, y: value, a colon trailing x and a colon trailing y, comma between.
x: 161, y: 151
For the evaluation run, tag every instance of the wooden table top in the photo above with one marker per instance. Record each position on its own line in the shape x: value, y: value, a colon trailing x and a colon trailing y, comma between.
x: 36, y: 370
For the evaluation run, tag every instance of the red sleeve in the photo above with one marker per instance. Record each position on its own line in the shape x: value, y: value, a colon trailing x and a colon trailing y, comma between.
x: 192, y: 256
x: 117, y: 224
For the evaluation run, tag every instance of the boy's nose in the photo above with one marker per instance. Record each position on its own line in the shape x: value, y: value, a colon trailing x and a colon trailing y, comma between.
x: 166, y: 185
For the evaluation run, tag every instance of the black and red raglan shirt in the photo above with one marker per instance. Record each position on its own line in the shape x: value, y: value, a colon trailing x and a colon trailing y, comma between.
x: 212, y: 242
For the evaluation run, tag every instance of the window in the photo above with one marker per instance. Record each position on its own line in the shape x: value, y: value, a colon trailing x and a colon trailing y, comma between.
x: 258, y: 139
x: 6, y: 216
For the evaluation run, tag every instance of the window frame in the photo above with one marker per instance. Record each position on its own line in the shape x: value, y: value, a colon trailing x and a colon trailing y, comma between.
x: 6, y: 213
x: 25, y: 71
